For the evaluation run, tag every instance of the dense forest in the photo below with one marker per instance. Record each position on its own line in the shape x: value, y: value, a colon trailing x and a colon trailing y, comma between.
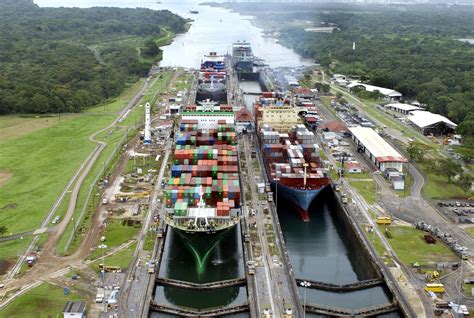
x: 412, y: 49
x: 67, y: 59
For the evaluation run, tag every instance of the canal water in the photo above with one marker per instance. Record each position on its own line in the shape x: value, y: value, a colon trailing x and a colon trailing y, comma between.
x: 318, y: 250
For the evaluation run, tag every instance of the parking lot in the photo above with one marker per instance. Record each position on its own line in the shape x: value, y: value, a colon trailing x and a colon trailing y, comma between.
x: 458, y: 211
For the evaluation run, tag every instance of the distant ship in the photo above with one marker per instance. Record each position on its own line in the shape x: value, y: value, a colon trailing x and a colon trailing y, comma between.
x: 212, y: 79
x: 192, y: 11
x: 243, y: 60
x: 290, y: 153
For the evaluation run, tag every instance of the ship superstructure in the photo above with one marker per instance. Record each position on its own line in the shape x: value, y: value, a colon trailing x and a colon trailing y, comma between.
x: 242, y: 57
x: 212, y: 79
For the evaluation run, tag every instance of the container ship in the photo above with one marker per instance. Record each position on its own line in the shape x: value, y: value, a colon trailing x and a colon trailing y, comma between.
x: 243, y: 60
x: 212, y: 79
x: 203, y: 193
x: 289, y: 152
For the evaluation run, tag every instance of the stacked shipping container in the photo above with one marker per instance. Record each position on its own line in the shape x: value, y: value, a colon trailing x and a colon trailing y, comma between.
x: 204, y: 163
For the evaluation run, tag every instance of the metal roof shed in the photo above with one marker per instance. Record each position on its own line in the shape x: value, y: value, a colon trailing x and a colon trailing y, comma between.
x: 428, y: 122
x: 74, y: 309
x: 402, y: 108
x: 377, y: 149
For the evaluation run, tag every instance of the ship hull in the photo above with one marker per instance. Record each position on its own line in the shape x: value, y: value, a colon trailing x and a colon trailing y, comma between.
x: 217, y: 95
x: 201, y: 245
x: 244, y: 66
x: 300, y: 198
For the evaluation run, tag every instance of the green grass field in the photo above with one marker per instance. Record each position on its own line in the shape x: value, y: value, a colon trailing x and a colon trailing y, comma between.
x: 121, y: 259
x: 366, y: 190
x: 43, y: 301
x: 408, y: 244
x: 42, y: 163
x: 438, y: 187
x: 116, y: 234
x: 470, y: 231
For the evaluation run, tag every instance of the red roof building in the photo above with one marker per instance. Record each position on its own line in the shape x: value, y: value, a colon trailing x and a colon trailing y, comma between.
x: 243, y: 116
x: 353, y: 167
x: 334, y: 126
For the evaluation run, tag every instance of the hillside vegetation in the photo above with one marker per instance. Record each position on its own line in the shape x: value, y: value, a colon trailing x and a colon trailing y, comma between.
x: 412, y: 49
x: 68, y: 59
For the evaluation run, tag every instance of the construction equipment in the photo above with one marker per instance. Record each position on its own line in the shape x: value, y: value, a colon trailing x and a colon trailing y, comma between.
x: 432, y: 276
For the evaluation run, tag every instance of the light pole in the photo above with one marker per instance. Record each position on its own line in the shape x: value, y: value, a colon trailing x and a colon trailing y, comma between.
x: 305, y: 285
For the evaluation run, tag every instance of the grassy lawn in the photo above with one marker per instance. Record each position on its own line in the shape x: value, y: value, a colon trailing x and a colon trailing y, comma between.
x: 438, y: 187
x: 363, y: 175
x: 43, y: 301
x: 14, y: 126
x: 11, y: 250
x: 42, y: 163
x: 408, y: 244
x: 121, y: 259
x: 470, y: 231
x: 366, y: 189
x: 116, y: 234
x: 150, y: 241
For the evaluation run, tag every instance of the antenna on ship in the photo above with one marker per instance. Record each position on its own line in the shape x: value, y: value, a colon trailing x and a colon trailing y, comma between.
x: 304, y: 178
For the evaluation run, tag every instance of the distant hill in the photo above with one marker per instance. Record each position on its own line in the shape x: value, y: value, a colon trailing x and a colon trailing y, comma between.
x: 68, y: 59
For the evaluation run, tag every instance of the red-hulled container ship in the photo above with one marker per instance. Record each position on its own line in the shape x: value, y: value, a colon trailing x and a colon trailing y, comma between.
x: 289, y: 151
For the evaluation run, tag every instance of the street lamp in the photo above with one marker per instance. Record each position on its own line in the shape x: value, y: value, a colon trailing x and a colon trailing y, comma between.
x: 305, y: 285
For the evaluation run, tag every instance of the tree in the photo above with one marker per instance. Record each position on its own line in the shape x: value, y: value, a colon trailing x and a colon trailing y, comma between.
x: 323, y: 88
x: 465, y: 182
x: 150, y: 49
x: 417, y: 151
x: 449, y: 168
x: 3, y: 230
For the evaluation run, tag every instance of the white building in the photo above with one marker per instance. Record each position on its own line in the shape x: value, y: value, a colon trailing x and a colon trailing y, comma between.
x: 428, y: 122
x: 398, y: 182
x: 75, y: 309
x: 402, y: 108
x: 389, y: 94
x: 377, y: 149
x: 353, y: 167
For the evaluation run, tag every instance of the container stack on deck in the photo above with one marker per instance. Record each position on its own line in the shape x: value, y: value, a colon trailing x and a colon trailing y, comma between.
x: 204, y: 163
x: 287, y: 155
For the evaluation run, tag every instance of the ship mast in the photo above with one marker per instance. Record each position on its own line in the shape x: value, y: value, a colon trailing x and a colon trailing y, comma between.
x: 304, y: 180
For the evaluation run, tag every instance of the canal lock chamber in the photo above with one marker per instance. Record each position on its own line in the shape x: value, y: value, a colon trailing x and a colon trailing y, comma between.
x: 328, y: 249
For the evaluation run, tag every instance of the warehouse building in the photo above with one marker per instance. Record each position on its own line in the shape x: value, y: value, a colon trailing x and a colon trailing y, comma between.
x: 430, y: 123
x: 402, y: 108
x: 377, y: 149
x: 389, y: 94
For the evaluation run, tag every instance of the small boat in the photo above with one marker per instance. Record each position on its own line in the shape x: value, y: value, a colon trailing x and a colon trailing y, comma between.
x: 192, y: 11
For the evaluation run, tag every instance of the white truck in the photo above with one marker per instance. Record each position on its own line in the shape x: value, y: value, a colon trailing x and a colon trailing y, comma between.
x: 99, y: 297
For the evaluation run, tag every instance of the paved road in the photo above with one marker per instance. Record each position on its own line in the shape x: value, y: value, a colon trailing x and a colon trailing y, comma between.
x: 263, y: 275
